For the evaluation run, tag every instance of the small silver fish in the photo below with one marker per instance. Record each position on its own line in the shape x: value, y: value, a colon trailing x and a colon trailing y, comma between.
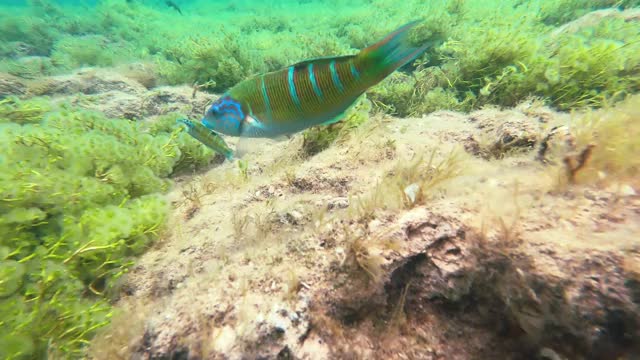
x: 208, y: 137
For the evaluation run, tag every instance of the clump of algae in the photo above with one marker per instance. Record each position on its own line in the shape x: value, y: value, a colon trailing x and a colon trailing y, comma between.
x: 80, y: 197
x: 320, y: 138
x: 508, y: 61
x: 217, y: 65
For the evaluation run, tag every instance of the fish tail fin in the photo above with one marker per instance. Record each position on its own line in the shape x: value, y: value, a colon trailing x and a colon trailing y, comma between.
x: 395, y: 50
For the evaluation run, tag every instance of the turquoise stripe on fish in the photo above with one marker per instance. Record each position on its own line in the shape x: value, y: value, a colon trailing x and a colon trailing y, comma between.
x: 311, y: 92
x: 292, y: 89
x: 354, y: 71
x: 314, y: 83
x: 265, y: 96
x: 335, y: 77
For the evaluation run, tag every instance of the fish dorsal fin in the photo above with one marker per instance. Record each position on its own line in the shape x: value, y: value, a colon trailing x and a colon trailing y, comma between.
x: 324, y: 59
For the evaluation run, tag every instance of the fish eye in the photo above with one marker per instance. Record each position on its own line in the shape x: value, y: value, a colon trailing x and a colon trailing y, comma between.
x: 210, y: 111
x: 215, y: 109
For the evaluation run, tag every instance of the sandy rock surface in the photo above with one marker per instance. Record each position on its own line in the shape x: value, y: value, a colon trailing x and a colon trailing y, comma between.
x: 88, y: 82
x: 11, y: 86
x: 164, y: 100
x: 327, y: 257
x: 324, y: 258
x: 110, y: 91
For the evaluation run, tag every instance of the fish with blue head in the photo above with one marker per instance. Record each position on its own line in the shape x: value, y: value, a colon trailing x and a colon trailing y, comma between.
x: 309, y: 93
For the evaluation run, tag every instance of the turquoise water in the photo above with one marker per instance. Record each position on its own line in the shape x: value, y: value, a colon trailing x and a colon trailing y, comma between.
x: 227, y: 41
x: 83, y: 179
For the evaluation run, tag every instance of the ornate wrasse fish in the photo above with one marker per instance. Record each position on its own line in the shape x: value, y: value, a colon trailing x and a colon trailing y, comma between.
x: 309, y: 93
x: 209, y: 138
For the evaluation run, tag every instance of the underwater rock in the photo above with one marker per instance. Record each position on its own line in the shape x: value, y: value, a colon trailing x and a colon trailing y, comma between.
x: 164, y: 100
x: 279, y: 331
x: 595, y: 17
x: 116, y: 95
x: 352, y: 271
x: 338, y: 203
x: 292, y: 217
x: 114, y: 104
x: 572, y: 302
x: 514, y: 134
x: 439, y: 256
x: 100, y: 81
x: 436, y: 258
x: 502, y: 132
x: 86, y: 81
x: 11, y: 86
x: 472, y: 146
x: 537, y: 111
x: 601, y: 303
x: 557, y: 296
x: 121, y: 105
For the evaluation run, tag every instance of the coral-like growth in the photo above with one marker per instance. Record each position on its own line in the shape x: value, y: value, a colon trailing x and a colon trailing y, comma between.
x: 80, y: 196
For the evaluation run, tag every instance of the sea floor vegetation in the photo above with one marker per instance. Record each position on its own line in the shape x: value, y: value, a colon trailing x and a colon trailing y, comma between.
x: 466, y: 205
x: 80, y: 196
x: 497, y: 53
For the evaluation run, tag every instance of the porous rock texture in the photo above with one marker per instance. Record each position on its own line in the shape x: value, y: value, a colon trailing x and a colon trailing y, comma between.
x: 313, y: 258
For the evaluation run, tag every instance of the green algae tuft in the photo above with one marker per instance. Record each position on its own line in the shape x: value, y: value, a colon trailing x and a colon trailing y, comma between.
x: 80, y: 197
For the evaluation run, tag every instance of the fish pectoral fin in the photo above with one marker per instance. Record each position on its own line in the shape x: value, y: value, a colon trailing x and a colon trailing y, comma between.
x: 251, y: 127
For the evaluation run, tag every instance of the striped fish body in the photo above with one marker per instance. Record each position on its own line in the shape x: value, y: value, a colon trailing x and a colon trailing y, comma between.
x: 308, y: 93
x: 207, y: 137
